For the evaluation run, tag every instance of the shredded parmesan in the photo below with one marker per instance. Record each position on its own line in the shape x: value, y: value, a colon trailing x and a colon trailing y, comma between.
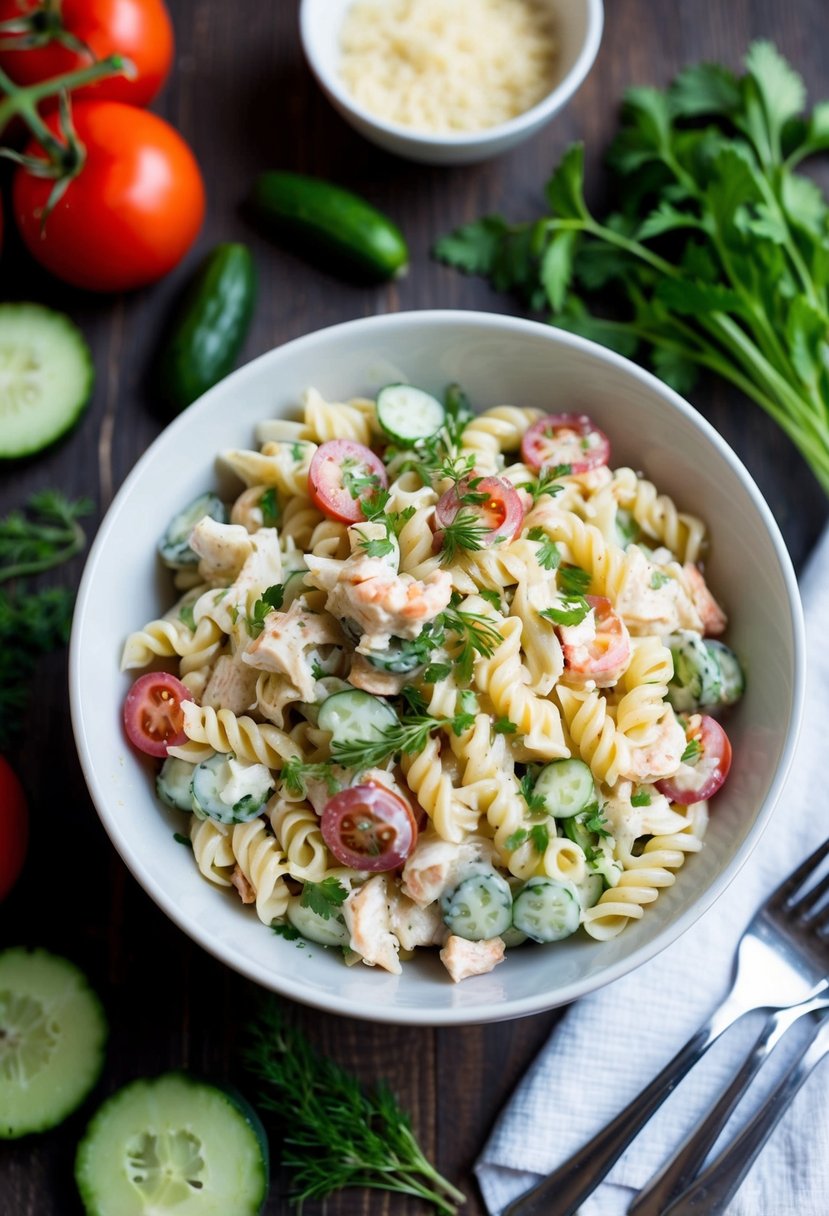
x: 448, y: 65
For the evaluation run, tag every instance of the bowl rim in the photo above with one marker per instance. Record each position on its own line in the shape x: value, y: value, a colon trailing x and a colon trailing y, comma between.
x: 283, y: 983
x: 526, y: 121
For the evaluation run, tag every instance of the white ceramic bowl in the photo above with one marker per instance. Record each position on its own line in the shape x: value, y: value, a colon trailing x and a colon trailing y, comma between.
x: 579, y: 25
x: 496, y: 359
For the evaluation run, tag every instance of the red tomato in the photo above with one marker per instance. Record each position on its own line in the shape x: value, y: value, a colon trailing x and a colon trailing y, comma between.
x: 602, y: 658
x: 139, y: 29
x: 153, y: 717
x: 132, y: 212
x: 493, y: 501
x: 565, y: 439
x: 342, y: 473
x: 14, y: 828
x: 368, y: 827
x: 700, y: 779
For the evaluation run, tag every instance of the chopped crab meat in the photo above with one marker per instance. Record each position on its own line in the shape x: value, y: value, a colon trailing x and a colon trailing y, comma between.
x: 369, y: 678
x: 262, y: 568
x: 223, y: 549
x: 711, y: 614
x: 281, y: 646
x: 652, y: 600
x: 246, y: 891
x: 661, y: 757
x: 462, y: 958
x: 435, y: 864
x: 368, y: 920
x: 626, y: 822
x: 231, y: 685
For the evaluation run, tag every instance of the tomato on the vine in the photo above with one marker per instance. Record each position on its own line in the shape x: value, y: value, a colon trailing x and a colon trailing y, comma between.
x: 130, y: 214
x: 14, y: 828
x: 139, y: 29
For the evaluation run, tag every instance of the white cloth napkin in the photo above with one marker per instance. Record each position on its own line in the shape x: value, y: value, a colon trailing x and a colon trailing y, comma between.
x: 610, y: 1044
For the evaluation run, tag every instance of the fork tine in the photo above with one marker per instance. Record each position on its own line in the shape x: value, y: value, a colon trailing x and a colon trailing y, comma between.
x: 797, y: 877
x: 808, y: 906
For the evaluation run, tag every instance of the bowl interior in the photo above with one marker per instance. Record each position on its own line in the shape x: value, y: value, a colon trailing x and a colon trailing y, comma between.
x: 579, y: 27
x: 496, y: 359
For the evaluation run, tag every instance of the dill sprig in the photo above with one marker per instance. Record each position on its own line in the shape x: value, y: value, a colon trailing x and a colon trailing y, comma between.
x: 30, y: 625
x: 43, y: 535
x: 335, y: 1133
x: 476, y: 634
x: 465, y: 531
x: 406, y: 736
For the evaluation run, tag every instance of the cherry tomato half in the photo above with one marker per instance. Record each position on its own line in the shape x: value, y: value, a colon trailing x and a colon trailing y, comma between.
x: 342, y: 473
x: 153, y: 717
x: 565, y: 439
x: 132, y: 212
x: 603, y: 657
x: 139, y: 29
x: 368, y: 827
x: 14, y: 828
x: 696, y: 781
x: 493, y: 501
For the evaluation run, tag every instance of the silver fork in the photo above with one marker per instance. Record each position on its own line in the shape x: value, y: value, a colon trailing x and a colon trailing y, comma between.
x: 780, y: 963
x: 809, y: 920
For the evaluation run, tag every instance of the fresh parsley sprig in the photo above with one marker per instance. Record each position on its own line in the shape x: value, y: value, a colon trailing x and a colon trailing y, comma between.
x: 547, y: 482
x: 43, y: 535
x: 548, y: 554
x: 335, y: 1133
x: 715, y: 256
x: 570, y: 610
x: 323, y: 898
x: 270, y: 600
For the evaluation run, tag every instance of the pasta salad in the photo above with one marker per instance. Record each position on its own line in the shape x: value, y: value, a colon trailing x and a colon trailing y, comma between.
x: 441, y: 679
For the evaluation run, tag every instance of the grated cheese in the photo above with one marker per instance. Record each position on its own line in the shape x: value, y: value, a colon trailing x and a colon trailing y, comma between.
x: 448, y: 65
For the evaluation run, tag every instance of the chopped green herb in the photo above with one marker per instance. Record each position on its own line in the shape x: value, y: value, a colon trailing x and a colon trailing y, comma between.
x: 414, y: 699
x: 45, y: 534
x: 547, y: 482
x: 185, y: 840
x: 298, y: 452
x: 572, y: 580
x: 549, y: 554
x: 476, y: 634
x: 571, y: 611
x: 407, y: 737
x: 185, y: 615
x: 286, y: 930
x: 692, y: 752
x: 270, y: 601
x: 464, y: 532
x: 538, y: 836
x: 269, y: 506
x: 295, y: 774
x: 381, y: 546
x: 594, y: 820
x: 437, y: 671
x: 535, y: 802
x: 359, y: 482
x: 374, y: 505
x: 317, y: 670
x: 659, y: 579
x: 640, y: 798
x: 324, y: 897
x: 503, y: 726
x: 492, y: 597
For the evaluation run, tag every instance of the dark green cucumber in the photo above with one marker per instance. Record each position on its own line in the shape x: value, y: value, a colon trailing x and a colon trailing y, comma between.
x: 174, y: 1144
x: 336, y: 229
x: 52, y: 1038
x: 210, y: 327
x: 46, y: 378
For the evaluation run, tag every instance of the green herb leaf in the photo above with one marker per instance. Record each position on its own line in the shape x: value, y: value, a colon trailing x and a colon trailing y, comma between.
x: 503, y: 726
x: 269, y: 506
x: 659, y: 579
x: 323, y: 898
x: 572, y: 580
x: 641, y: 797
x: 475, y: 635
x: 270, y: 601
x: 692, y: 752
x: 185, y: 840
x: 43, y: 535
x: 185, y: 615
x: 571, y: 611
x: 286, y: 930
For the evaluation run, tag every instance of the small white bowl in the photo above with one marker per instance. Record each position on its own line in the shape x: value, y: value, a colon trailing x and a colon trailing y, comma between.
x: 579, y: 25
x: 495, y: 359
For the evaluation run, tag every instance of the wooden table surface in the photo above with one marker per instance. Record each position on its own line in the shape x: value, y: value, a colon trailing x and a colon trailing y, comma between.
x: 243, y: 97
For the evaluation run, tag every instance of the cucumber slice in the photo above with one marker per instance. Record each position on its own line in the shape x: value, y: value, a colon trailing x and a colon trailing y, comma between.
x: 696, y: 681
x: 479, y: 907
x: 316, y: 928
x: 228, y: 790
x: 401, y: 656
x: 732, y: 677
x: 52, y: 1038
x: 174, y: 545
x: 566, y: 787
x: 46, y: 378
x: 547, y: 911
x: 407, y: 414
x: 174, y: 784
x: 355, y: 716
x: 173, y: 1144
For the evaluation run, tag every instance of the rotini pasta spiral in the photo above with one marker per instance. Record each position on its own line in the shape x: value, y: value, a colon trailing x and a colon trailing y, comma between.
x: 264, y: 865
x: 505, y: 680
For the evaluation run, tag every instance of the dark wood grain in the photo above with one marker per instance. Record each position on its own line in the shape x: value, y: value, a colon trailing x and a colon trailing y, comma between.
x: 244, y: 99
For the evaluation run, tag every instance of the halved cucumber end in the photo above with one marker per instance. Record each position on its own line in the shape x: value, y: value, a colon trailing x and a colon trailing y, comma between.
x: 46, y: 378
x: 408, y: 414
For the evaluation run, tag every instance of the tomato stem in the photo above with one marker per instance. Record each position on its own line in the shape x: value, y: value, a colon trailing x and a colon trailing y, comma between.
x: 23, y: 101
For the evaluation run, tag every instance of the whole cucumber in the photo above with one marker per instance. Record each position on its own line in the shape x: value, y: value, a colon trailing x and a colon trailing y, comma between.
x: 210, y: 326
x: 336, y: 229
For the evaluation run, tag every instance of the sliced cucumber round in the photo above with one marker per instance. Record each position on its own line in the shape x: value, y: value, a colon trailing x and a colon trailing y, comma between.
x: 407, y: 414
x: 52, y: 1038
x: 401, y: 656
x: 567, y: 788
x: 316, y: 928
x: 228, y: 790
x: 173, y: 1144
x: 356, y: 716
x: 696, y: 680
x: 479, y: 907
x: 174, y: 545
x: 46, y: 378
x: 732, y: 677
x: 546, y: 910
x: 174, y: 783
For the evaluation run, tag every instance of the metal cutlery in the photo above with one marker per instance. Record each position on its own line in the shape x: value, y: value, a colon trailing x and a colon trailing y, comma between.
x: 781, y: 961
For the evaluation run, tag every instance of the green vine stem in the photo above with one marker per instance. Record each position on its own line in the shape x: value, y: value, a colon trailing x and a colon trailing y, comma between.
x: 22, y: 102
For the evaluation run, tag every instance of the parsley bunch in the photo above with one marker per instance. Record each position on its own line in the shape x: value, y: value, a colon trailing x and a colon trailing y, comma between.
x: 716, y: 254
x: 335, y: 1133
